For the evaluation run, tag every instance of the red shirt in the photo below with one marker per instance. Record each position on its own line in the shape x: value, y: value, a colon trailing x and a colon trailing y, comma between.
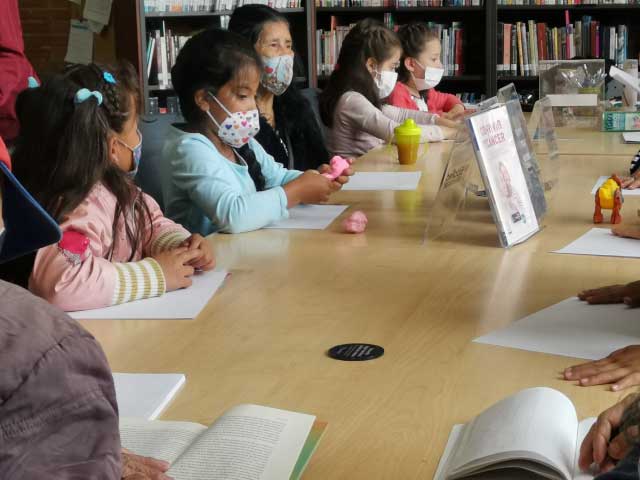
x: 437, y: 102
x: 15, y: 69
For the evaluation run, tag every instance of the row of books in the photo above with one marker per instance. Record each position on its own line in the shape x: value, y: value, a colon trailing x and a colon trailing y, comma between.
x: 162, y: 50
x: 399, y: 3
x: 186, y: 6
x: 522, y: 45
x: 568, y: 2
x: 329, y: 42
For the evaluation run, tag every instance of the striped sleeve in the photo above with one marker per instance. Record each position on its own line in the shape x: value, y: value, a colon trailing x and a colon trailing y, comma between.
x: 168, y: 240
x: 137, y: 281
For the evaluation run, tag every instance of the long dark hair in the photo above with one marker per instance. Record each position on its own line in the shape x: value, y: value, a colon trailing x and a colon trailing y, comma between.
x: 62, y: 151
x: 367, y: 39
x: 208, y: 61
x: 413, y: 37
x: 249, y: 20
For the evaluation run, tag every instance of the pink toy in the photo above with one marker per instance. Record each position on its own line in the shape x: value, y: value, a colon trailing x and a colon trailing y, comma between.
x: 338, y: 166
x: 355, y: 223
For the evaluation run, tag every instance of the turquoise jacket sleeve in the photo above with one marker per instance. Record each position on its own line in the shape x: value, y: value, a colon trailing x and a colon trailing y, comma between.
x: 225, y: 191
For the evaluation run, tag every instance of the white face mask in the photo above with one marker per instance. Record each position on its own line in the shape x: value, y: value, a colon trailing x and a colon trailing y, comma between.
x: 432, y: 77
x: 238, y: 128
x: 385, y: 82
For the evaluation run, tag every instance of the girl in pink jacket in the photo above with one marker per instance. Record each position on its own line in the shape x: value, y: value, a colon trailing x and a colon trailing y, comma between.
x: 420, y: 72
x: 77, y: 153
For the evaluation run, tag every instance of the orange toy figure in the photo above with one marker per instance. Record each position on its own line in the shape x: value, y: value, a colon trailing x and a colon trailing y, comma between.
x: 609, y: 197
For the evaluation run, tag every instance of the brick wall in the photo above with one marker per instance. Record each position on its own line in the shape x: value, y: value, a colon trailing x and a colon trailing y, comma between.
x: 45, y: 24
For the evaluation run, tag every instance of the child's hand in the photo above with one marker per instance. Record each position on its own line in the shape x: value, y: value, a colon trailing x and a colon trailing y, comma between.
x: 622, y: 368
x: 456, y: 113
x: 342, y: 179
x: 176, y: 267
x: 603, y: 445
x: 447, y: 123
x: 449, y: 133
x: 310, y: 187
x: 628, y: 294
x: 630, y: 183
x: 206, y: 260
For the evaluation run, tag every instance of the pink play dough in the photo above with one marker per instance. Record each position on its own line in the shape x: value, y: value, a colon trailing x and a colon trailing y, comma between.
x: 355, y: 223
x: 338, y: 165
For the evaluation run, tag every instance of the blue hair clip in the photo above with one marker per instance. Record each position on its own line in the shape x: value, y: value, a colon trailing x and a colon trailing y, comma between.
x: 108, y: 78
x: 32, y: 83
x: 84, y: 93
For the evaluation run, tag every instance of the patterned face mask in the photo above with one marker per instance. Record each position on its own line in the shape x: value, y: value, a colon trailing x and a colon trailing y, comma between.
x: 238, y: 127
x: 277, y: 73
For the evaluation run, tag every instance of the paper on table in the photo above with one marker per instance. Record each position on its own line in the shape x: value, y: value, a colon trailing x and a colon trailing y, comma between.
x: 383, y: 181
x: 625, y: 192
x: 146, y: 395
x: 312, y: 217
x: 631, y: 137
x: 80, y: 43
x: 97, y: 10
x: 574, y: 100
x: 601, y: 242
x: 179, y: 304
x: 571, y: 328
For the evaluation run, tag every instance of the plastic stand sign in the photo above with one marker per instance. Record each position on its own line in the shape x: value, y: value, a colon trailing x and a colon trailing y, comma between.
x: 543, y: 131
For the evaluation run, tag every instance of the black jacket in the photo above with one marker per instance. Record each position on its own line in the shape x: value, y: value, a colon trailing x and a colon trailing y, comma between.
x: 297, y: 130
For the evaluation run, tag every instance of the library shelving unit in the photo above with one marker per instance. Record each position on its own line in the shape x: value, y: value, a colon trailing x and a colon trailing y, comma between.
x: 554, y: 16
x: 480, y: 39
x: 186, y: 23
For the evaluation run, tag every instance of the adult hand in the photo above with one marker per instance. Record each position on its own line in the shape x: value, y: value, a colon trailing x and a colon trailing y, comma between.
x: 621, y: 368
x: 627, y: 231
x: 136, y: 467
x: 603, y: 445
x: 628, y: 294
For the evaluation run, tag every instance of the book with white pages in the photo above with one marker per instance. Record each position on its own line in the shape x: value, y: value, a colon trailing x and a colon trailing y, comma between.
x: 533, y: 434
x: 247, y: 441
x: 146, y: 395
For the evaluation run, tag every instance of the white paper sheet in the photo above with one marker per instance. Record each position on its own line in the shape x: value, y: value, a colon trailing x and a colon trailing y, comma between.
x: 383, y: 181
x: 572, y: 328
x: 625, y: 192
x: 97, y: 10
x: 631, y: 137
x: 574, y: 100
x: 146, y: 395
x: 310, y: 217
x: 179, y: 304
x: 80, y: 43
x: 601, y: 242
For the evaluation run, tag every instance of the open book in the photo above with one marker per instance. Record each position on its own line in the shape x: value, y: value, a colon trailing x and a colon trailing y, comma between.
x: 533, y: 434
x: 246, y: 442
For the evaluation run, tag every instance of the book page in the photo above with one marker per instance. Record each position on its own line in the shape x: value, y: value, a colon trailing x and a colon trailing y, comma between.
x: 161, y: 440
x: 537, y: 424
x: 248, y: 442
x: 583, y: 429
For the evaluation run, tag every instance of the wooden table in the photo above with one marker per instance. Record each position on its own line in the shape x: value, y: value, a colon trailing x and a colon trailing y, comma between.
x: 293, y: 294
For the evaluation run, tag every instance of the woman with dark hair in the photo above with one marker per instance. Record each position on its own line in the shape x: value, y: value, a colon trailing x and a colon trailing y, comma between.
x: 352, y: 103
x: 289, y: 131
x: 215, y: 176
x: 77, y: 153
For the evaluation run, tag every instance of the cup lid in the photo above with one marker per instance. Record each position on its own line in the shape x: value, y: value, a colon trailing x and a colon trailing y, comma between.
x: 409, y: 127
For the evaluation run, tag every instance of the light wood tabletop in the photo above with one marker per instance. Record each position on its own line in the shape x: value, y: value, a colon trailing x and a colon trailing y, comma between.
x: 293, y: 294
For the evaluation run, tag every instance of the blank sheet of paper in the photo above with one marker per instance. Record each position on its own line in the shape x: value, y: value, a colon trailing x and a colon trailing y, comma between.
x: 146, y: 395
x: 572, y: 328
x: 310, y: 217
x: 625, y: 192
x: 80, y: 43
x: 383, y: 181
x: 179, y: 304
x: 631, y: 137
x: 601, y: 242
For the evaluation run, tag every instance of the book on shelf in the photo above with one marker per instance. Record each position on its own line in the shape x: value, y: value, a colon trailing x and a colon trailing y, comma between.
x: 191, y: 6
x: 162, y: 51
x: 568, y: 2
x: 329, y: 42
x: 398, y: 3
x: 247, y: 441
x: 534, y: 41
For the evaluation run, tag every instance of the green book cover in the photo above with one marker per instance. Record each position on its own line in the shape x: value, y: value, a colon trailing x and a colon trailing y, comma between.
x: 310, y: 445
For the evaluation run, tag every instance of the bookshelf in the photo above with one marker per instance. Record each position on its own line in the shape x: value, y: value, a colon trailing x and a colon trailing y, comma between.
x: 480, y: 41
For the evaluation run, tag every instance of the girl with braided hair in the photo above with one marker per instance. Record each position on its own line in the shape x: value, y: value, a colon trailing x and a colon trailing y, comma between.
x: 77, y: 153
x: 352, y: 104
